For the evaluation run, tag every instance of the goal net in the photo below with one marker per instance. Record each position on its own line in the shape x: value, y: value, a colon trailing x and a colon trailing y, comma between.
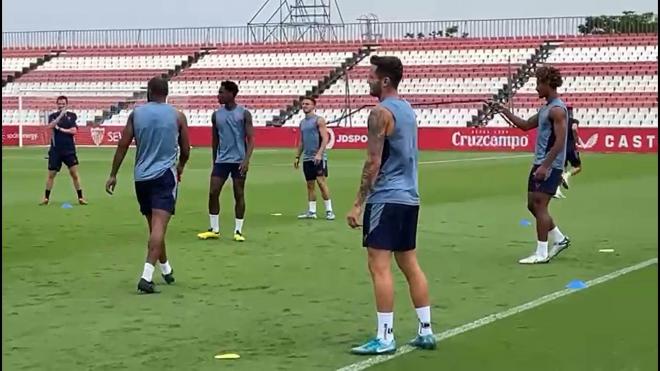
x: 26, y: 116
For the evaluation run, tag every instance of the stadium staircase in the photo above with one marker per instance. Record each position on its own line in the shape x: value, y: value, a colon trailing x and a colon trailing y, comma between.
x: 328, y: 81
x: 33, y: 66
x: 520, y: 78
x: 142, y: 94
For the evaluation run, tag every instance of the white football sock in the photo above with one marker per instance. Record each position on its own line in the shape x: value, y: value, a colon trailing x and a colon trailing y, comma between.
x: 148, y: 272
x: 166, y: 268
x: 328, y: 205
x: 556, y: 235
x: 385, y: 326
x: 239, y: 225
x: 312, y: 207
x: 215, y: 222
x: 424, y: 316
x: 542, y: 248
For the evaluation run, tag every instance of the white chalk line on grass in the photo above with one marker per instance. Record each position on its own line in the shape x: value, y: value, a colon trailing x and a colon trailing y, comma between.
x: 498, y: 316
x: 468, y: 159
x: 357, y: 164
x: 474, y: 159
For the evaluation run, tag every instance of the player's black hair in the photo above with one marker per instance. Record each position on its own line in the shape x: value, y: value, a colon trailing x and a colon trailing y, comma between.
x: 549, y: 75
x: 158, y: 86
x: 388, y: 67
x: 62, y: 97
x: 230, y: 86
x: 312, y: 99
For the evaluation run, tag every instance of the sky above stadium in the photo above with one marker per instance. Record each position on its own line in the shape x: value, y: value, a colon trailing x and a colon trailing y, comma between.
x: 19, y: 15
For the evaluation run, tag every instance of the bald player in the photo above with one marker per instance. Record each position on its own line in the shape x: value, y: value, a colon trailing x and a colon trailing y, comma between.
x: 159, y: 130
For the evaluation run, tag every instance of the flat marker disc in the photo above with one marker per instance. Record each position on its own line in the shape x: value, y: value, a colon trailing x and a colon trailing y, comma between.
x: 227, y: 356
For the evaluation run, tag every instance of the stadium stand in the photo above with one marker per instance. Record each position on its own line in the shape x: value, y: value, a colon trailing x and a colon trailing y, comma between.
x: 610, y: 80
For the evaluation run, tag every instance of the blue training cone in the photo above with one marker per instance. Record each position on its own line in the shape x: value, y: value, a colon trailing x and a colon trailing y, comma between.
x: 576, y: 285
x: 525, y: 223
x: 67, y: 205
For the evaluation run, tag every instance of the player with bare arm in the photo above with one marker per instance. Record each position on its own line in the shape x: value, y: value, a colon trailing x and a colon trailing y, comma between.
x: 389, y: 188
x: 545, y: 177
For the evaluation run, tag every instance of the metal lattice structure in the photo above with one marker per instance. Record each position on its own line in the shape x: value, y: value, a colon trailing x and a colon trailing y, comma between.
x: 297, y: 20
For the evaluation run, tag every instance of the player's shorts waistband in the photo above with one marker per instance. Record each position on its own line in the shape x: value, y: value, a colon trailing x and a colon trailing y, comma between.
x: 393, y: 202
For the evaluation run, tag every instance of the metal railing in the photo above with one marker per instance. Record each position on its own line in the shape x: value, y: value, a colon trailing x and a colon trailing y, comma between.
x: 199, y: 36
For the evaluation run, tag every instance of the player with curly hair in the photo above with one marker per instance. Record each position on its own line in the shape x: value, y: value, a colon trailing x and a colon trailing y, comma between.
x: 545, y: 177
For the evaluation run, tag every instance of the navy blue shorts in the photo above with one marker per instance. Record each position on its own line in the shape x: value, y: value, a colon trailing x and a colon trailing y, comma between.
x: 549, y: 185
x: 390, y: 227
x: 573, y: 157
x: 313, y: 171
x: 158, y: 193
x: 224, y: 169
x: 56, y: 159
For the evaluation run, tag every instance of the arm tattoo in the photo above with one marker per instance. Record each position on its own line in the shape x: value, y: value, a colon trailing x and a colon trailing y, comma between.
x: 365, y: 184
x: 376, y: 141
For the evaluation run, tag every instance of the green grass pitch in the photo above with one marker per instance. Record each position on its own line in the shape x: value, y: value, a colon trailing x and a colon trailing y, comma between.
x: 296, y: 295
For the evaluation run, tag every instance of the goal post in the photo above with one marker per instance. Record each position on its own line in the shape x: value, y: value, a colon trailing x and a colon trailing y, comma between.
x: 27, y: 112
x: 25, y: 117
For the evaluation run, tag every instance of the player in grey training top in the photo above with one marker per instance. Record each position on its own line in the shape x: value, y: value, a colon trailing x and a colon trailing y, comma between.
x: 232, y: 146
x: 313, y: 140
x: 549, y: 156
x: 159, y: 130
x: 389, y: 188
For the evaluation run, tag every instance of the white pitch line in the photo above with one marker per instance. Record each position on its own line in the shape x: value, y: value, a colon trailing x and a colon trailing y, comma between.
x: 431, y: 162
x: 474, y: 159
x: 497, y: 316
x: 469, y: 159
